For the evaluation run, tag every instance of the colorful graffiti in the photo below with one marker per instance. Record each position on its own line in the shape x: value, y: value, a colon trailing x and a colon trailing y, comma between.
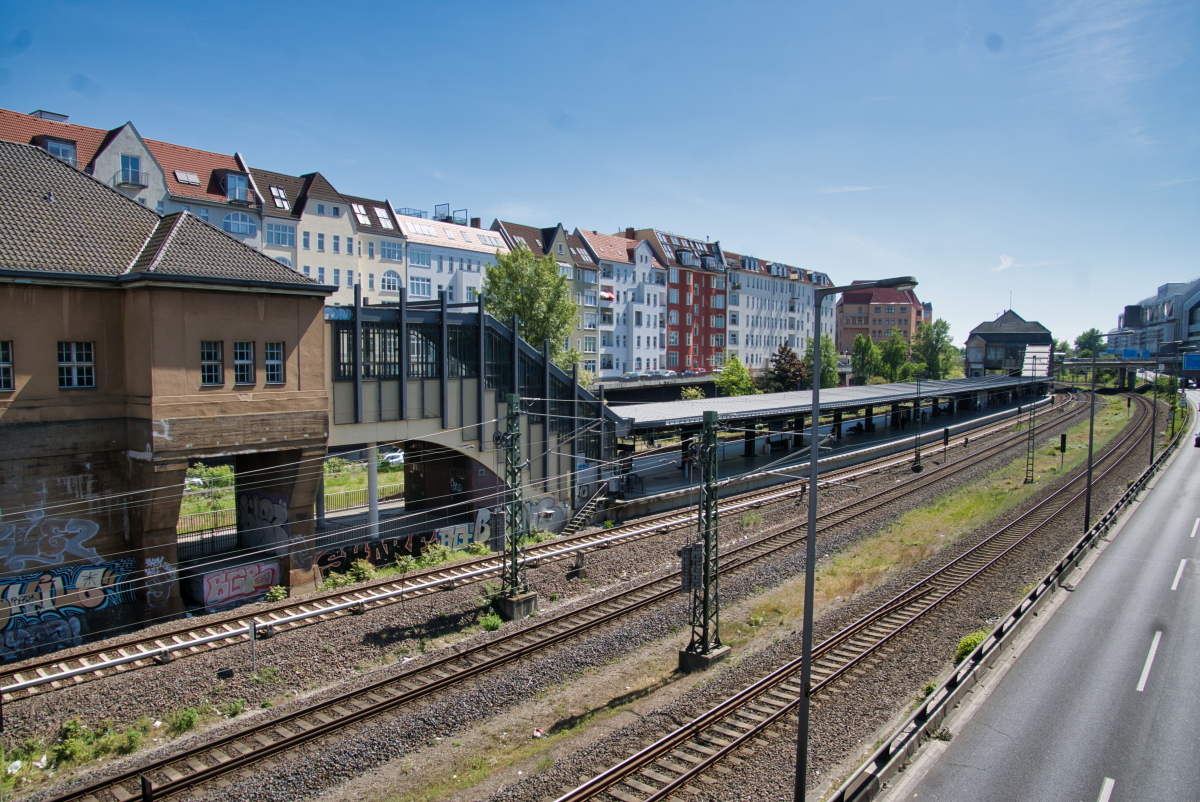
x: 376, y: 552
x: 46, y: 610
x: 39, y: 541
x: 236, y: 584
x: 262, y: 520
x: 160, y: 579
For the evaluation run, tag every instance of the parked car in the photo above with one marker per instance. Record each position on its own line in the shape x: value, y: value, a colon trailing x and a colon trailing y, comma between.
x: 689, y: 372
x: 631, y: 376
x: 700, y: 371
x: 717, y: 371
x: 395, y: 458
x: 656, y: 374
x: 668, y: 374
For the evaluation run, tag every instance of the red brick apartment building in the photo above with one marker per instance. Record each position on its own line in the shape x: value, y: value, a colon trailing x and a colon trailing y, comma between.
x: 875, y: 314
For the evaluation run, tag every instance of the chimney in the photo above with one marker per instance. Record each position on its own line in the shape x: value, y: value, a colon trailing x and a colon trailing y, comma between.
x: 629, y: 234
x: 475, y: 222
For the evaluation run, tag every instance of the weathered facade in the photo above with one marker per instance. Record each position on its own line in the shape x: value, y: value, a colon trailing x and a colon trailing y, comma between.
x: 134, y: 345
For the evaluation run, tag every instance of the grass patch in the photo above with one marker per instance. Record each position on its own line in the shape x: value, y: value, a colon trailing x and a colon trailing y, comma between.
x: 921, y: 533
x: 968, y: 644
x: 490, y: 622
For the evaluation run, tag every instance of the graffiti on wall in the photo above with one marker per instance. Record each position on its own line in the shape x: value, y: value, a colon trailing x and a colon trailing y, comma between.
x: 242, y: 582
x: 545, y: 512
x: 376, y: 552
x: 160, y: 579
x: 262, y: 520
x: 38, y: 542
x: 47, y: 610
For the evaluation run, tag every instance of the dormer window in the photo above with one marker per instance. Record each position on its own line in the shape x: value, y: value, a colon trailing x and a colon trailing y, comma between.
x: 63, y: 149
x: 360, y: 214
x: 237, y: 188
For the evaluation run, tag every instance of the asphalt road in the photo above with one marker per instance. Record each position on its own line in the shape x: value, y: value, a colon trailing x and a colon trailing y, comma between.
x: 1105, y: 703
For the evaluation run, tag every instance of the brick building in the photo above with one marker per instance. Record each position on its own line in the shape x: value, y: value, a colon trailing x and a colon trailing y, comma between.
x: 875, y: 314
x: 132, y: 344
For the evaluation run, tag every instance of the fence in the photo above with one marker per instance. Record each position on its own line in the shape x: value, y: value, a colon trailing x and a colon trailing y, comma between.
x: 205, y: 533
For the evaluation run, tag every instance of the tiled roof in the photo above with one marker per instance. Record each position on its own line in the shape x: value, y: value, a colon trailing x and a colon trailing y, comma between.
x: 451, y: 235
x: 185, y: 246
x: 1010, y: 323
x: 374, y: 211
x: 610, y: 248
x: 17, y: 127
x: 579, y: 250
x: 880, y: 295
x: 534, y: 238
x: 56, y: 219
x: 315, y: 186
x: 201, y: 163
x: 293, y: 189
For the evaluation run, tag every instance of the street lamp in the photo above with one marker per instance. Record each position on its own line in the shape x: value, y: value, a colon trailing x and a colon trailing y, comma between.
x: 900, y: 283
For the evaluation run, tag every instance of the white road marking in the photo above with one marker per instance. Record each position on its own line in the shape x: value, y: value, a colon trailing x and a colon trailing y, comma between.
x: 1149, y: 662
x: 1106, y: 789
x: 1195, y: 526
x: 1178, y: 574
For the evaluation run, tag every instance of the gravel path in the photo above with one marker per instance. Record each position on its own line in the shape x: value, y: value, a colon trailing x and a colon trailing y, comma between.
x: 324, y: 656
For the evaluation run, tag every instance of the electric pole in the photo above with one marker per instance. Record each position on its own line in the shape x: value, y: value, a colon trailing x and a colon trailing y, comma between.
x: 515, y: 594
x: 700, y: 559
x: 1029, y: 451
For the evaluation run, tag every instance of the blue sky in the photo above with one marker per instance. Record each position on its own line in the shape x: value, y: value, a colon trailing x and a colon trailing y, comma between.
x: 1047, y: 149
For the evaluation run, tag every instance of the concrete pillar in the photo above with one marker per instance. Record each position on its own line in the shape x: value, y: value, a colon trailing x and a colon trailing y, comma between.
x: 373, y: 490
x: 837, y: 424
x: 798, y: 438
x: 869, y: 416
x: 750, y: 437
x: 936, y: 411
x: 895, y: 418
x: 321, y: 497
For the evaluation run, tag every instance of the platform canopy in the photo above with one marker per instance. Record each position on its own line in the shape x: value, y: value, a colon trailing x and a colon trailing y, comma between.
x: 775, y: 405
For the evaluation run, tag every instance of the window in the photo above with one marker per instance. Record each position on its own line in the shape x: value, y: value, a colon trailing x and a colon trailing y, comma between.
x: 391, y: 250
x: 239, y: 223
x: 202, y: 213
x: 371, y: 249
x: 160, y: 207
x: 279, y: 234
x: 371, y: 280
x: 733, y: 318
x: 336, y: 212
x: 589, y: 320
x: 243, y: 362
x: 637, y: 318
x: 440, y: 265
x: 64, y: 150
x: 236, y: 187
x: 891, y: 310
x: 472, y: 294
x: 419, y: 287
x: 673, y: 296
x: 307, y: 270
x: 420, y: 258
x: 673, y: 317
x: 349, y: 278
x: 589, y: 345
x: 672, y: 359
x: 488, y: 239
x: 273, y: 359
x: 320, y: 208
x: 390, y: 281
x: 719, y: 322
x: 131, y: 171
x: 733, y: 338
x: 320, y: 242
x: 337, y: 277
x: 360, y: 214
x: 337, y: 244
x: 6, y: 364
x: 350, y: 246
x: 304, y: 240
x: 76, y: 365
x: 560, y: 247
x: 673, y: 338
x: 280, y: 197
x: 589, y: 298
x: 212, y: 369
x: 718, y: 302
x: 384, y: 220
x: 321, y: 274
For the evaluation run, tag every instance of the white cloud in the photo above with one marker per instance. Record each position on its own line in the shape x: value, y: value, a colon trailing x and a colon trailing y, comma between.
x: 1006, y: 262
x: 828, y: 190
x: 1175, y: 181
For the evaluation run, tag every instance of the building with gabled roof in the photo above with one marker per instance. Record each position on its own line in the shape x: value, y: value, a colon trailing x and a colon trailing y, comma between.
x: 447, y: 255
x: 1003, y: 345
x: 876, y: 313
x: 131, y: 346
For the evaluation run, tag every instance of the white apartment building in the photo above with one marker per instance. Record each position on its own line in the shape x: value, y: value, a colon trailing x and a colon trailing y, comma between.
x: 445, y: 256
x: 633, y: 328
x: 771, y: 304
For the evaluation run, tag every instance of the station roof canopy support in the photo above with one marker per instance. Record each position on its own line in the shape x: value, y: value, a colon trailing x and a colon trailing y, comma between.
x: 780, y: 405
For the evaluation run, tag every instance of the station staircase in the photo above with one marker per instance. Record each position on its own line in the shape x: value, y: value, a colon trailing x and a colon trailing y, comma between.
x: 585, y: 513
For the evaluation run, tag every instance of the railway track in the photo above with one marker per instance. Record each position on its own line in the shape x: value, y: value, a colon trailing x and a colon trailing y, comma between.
x: 715, y: 737
x: 237, y: 751
x: 109, y: 659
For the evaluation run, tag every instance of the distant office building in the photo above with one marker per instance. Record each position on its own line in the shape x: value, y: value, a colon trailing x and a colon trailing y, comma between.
x: 1161, y: 323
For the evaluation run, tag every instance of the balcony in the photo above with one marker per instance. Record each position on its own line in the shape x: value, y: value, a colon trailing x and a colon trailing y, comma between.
x: 133, y: 179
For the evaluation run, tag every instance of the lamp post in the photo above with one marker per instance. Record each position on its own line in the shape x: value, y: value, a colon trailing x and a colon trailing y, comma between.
x: 810, y: 561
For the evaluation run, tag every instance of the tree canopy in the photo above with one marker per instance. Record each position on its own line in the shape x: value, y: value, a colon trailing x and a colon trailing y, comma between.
x: 734, y: 379
x: 1091, y: 340
x: 829, y: 361
x: 864, y: 358
x: 893, y: 353
x: 933, y: 346
x: 785, y: 373
x: 521, y: 284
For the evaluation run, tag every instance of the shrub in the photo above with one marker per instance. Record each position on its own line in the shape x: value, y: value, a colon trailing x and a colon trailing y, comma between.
x: 182, y: 721
x: 361, y: 571
x: 478, y: 549
x: 335, y: 581
x: 968, y: 644
x: 277, y: 593
x: 751, y: 519
x: 609, y: 524
x: 929, y: 688
x: 433, y: 554
x: 405, y: 564
x: 490, y: 622
x: 234, y: 708
x: 336, y: 465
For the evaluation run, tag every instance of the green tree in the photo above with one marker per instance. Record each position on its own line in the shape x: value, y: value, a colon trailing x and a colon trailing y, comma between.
x: 785, y: 373
x: 829, y: 362
x: 735, y: 379
x: 521, y: 284
x: 1091, y: 340
x: 933, y: 346
x: 893, y: 353
x: 691, y: 394
x: 864, y: 358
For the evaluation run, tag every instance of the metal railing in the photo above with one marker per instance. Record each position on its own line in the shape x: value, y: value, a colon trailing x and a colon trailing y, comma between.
x: 133, y: 178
